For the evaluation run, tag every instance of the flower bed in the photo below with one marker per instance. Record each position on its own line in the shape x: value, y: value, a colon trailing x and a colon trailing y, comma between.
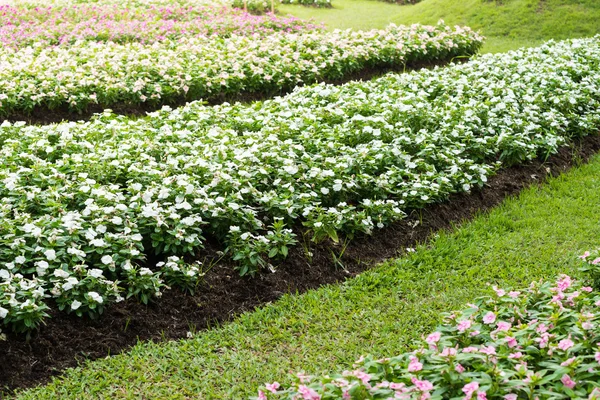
x: 311, y: 3
x: 110, y: 73
x: 81, y: 204
x: 541, y: 342
x: 47, y: 26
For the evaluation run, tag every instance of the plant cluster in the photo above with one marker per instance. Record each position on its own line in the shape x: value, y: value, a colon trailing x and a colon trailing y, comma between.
x: 542, y: 342
x: 81, y: 204
x: 132, y: 73
x: 253, y: 6
x: 48, y: 26
x: 311, y: 3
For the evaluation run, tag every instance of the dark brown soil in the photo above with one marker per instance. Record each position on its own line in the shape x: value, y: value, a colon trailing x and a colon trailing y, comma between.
x: 67, y: 340
x: 43, y: 116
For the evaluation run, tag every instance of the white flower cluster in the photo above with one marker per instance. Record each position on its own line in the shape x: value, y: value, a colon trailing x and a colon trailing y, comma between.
x: 192, y: 68
x: 81, y: 203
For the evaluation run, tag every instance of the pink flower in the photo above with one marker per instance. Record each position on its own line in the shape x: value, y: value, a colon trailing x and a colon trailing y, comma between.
x: 568, y: 362
x: 470, y: 349
x: 564, y: 282
x: 565, y: 344
x: 459, y: 368
x: 597, y: 357
x: 262, y: 395
x: 363, y: 376
x: 510, y: 396
x: 499, y: 292
x: 516, y: 355
x: 504, y: 326
x: 587, y: 288
x: 587, y: 325
x: 511, y: 342
x: 423, y: 386
x: 463, y: 325
x: 481, y: 396
x: 567, y: 381
x: 474, y: 333
x: 272, y: 387
x: 448, y: 352
x: 469, y: 389
x: 397, y: 386
x: 433, y: 338
x: 541, y: 328
x: 585, y: 255
x: 414, y: 365
x: 489, y: 318
x: 308, y: 393
x: 489, y: 350
x: 596, y: 261
x: 514, y: 294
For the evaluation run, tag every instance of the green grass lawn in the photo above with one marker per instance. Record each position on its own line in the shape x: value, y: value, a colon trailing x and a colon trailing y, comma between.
x: 536, y: 235
x: 507, y: 24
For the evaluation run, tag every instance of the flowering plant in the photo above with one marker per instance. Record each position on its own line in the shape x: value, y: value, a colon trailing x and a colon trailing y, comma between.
x: 66, y: 25
x: 86, y: 73
x: 82, y: 204
x: 539, y: 342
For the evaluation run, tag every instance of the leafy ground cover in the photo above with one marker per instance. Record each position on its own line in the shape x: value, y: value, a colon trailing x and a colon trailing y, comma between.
x: 47, y: 26
x: 254, y: 6
x: 66, y: 340
x: 84, y: 204
x: 507, y: 24
x: 537, y: 342
x: 381, y: 312
x: 109, y: 73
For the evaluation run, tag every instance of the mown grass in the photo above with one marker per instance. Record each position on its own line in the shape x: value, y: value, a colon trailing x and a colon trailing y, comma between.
x: 536, y: 235
x: 508, y: 24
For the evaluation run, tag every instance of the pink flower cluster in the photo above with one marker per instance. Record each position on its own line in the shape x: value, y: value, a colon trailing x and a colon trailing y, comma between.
x: 506, y: 349
x: 60, y: 25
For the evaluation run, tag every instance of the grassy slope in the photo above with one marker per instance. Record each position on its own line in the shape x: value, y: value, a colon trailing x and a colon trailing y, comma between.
x: 510, y: 25
x: 534, y: 236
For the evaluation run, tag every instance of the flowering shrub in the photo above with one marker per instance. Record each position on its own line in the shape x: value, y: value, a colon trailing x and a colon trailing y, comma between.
x: 254, y: 6
x: 541, y: 342
x: 132, y: 73
x: 313, y: 3
x: 81, y: 204
x: 42, y: 27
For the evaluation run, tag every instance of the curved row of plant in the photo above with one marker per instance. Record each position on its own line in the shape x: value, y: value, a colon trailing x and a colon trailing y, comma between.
x: 110, y: 73
x: 81, y: 204
x: 310, y: 3
x: 542, y: 342
x: 254, y: 6
x: 48, y: 26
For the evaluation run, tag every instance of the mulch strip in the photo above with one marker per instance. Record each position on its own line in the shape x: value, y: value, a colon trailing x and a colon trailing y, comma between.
x: 67, y: 340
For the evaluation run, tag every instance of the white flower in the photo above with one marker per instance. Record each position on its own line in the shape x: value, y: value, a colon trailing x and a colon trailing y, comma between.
x: 145, y: 271
x: 20, y: 260
x: 50, y: 254
x: 106, y: 259
x: 60, y: 273
x: 76, y: 304
x: 4, y: 274
x: 95, y: 297
x: 95, y: 273
x: 3, y: 312
x: 117, y: 220
x: 98, y: 242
